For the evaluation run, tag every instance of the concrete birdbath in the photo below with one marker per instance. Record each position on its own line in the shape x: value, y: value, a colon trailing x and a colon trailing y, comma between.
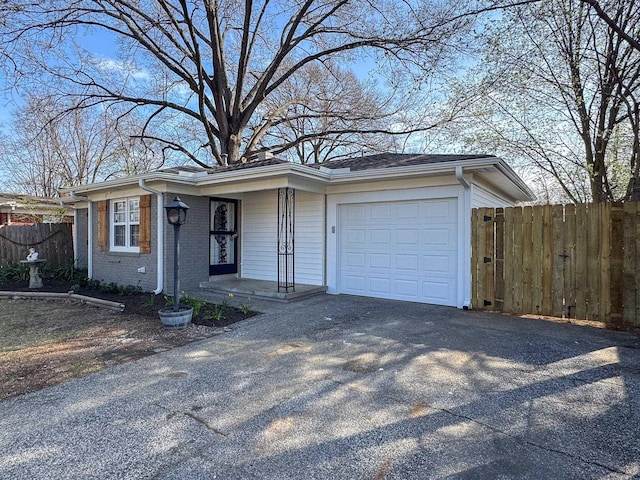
x: 35, y: 280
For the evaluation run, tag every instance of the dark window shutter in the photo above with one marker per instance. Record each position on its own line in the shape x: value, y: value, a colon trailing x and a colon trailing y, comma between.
x: 145, y: 224
x: 103, y: 226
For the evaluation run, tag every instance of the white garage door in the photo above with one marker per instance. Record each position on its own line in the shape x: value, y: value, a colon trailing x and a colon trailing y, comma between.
x: 400, y: 250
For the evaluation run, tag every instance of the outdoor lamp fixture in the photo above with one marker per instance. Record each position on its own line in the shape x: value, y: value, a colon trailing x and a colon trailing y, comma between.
x: 176, y: 215
x: 176, y: 212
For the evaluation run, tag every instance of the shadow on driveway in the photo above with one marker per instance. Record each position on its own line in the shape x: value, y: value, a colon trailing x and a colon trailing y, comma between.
x: 347, y: 387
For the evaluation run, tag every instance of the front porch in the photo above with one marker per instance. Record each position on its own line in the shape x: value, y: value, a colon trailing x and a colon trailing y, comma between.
x: 262, y: 289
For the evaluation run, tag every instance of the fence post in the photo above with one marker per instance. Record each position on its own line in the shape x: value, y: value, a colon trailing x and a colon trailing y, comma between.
x: 499, y: 259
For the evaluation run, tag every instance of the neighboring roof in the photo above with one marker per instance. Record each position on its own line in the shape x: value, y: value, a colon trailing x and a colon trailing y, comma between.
x: 391, y: 160
x: 14, y: 199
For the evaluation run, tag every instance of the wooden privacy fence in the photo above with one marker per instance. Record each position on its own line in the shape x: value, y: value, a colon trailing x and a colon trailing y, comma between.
x: 52, y: 241
x: 571, y: 261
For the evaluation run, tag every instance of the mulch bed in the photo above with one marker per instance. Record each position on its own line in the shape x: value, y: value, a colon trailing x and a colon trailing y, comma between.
x: 143, y: 304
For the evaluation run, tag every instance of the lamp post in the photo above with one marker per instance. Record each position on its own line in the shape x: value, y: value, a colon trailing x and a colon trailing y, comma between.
x: 176, y: 216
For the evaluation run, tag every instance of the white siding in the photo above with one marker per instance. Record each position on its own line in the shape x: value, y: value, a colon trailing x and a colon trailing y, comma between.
x: 481, y: 197
x: 309, y: 238
x: 259, y: 236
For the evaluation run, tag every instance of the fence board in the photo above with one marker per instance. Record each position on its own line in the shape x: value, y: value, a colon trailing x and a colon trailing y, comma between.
x: 604, y: 247
x: 499, y: 258
x: 636, y: 278
x: 630, y: 268
x: 474, y: 259
x: 482, y: 250
x: 488, y: 220
x: 558, y: 259
x: 527, y: 253
x: 536, y: 259
x: 577, y: 261
x: 517, y: 259
x: 617, y: 264
x: 547, y: 265
x: 581, y: 261
x: 508, y: 256
x: 570, y: 260
x: 52, y: 241
x: 593, y: 262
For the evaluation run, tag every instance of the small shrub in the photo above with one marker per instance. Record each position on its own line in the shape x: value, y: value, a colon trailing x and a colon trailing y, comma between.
x: 195, y: 303
x: 149, y: 301
x: 244, y: 308
x: 14, y: 271
x: 218, y: 310
x: 113, y: 288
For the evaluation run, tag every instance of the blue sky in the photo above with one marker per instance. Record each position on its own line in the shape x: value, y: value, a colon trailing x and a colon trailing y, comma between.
x: 99, y: 42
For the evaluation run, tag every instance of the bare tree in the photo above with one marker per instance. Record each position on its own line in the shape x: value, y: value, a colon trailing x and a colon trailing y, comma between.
x: 559, y: 90
x: 212, y: 64
x: 53, y: 145
x: 326, y: 112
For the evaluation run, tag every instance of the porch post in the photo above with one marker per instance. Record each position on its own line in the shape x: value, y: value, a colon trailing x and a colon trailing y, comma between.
x: 286, y: 227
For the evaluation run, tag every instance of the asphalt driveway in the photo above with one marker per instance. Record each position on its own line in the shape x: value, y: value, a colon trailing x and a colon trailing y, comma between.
x: 346, y: 388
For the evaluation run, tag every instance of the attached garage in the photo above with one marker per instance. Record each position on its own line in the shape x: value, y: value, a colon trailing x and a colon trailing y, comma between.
x: 405, y: 250
x: 390, y: 225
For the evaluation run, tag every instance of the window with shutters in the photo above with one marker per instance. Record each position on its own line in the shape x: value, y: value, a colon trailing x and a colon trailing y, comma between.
x: 124, y: 226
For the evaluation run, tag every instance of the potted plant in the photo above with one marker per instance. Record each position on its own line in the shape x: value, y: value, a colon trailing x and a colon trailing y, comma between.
x: 176, y: 319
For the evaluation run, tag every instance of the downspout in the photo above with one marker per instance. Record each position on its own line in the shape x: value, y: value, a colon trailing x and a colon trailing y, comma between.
x: 89, y: 233
x: 160, y: 235
x: 461, y: 179
x: 464, y: 242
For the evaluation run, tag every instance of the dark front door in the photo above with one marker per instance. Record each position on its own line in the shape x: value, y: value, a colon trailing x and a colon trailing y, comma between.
x: 223, y: 238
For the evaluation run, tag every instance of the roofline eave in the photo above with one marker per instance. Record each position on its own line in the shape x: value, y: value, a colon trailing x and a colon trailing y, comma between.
x: 308, y: 173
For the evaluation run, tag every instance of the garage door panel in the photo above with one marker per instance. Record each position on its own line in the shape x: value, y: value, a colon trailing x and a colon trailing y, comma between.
x: 356, y: 212
x: 407, y: 211
x: 355, y: 260
x: 438, y: 264
x: 406, y: 288
x: 354, y: 284
x: 406, y: 236
x: 407, y: 262
x: 380, y: 212
x: 380, y: 236
x: 439, y: 237
x: 380, y: 285
x: 437, y: 292
x: 443, y: 210
x: 402, y: 250
x: 356, y: 236
x: 380, y: 260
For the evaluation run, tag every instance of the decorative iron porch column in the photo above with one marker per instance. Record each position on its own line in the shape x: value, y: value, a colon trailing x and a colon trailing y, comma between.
x: 286, y: 227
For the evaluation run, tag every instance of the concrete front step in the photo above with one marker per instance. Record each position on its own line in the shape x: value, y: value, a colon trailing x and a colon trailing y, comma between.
x: 260, y: 289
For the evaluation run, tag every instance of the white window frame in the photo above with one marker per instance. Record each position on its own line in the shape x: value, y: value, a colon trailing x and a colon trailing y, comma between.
x: 127, y: 224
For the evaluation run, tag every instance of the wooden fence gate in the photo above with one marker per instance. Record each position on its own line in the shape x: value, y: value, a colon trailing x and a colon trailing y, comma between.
x: 52, y: 241
x: 569, y: 261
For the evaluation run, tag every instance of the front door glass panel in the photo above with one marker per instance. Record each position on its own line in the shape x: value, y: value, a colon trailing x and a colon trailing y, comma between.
x: 223, y: 240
